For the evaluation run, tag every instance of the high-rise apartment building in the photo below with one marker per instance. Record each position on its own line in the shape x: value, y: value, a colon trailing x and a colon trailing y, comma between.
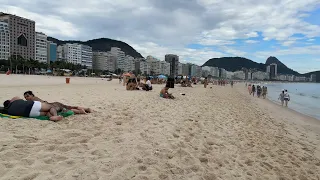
x: 103, y: 61
x: 128, y: 63
x: 76, y: 54
x: 165, y: 68
x: 174, y: 64
x: 51, y: 52
x: 185, y: 69
x: 22, y: 35
x: 273, y: 71
x: 41, y: 48
x: 70, y: 53
x: 4, y: 40
x: 86, y: 56
x: 120, y: 55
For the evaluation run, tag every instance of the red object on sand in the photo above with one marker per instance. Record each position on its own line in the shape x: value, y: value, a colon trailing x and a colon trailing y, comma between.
x: 8, y: 72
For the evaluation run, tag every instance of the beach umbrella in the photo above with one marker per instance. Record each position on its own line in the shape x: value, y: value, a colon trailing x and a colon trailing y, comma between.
x: 162, y: 77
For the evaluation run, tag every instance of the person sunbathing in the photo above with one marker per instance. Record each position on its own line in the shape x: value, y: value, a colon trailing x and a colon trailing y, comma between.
x: 28, y: 95
x: 165, y: 94
x: 19, y: 107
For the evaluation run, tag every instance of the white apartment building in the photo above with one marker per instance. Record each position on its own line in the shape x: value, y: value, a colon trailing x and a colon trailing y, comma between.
x: 239, y: 75
x: 76, y: 54
x: 185, y: 69
x: 103, y: 61
x: 41, y: 48
x: 196, y: 70
x: 259, y: 75
x: 165, y: 68
x: 213, y: 71
x: 120, y: 55
x: 144, y: 66
x: 180, y: 69
x: 70, y: 53
x: 229, y: 74
x: 4, y: 40
x: 222, y: 73
x: 86, y: 56
x: 129, y: 63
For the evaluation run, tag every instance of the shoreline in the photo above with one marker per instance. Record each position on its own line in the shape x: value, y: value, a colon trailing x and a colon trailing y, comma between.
x: 291, y: 109
x: 275, y: 108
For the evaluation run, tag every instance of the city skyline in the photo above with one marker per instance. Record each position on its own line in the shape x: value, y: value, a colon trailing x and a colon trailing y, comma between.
x: 196, y: 31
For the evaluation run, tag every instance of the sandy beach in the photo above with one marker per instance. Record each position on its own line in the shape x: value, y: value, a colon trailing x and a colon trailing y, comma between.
x: 208, y: 134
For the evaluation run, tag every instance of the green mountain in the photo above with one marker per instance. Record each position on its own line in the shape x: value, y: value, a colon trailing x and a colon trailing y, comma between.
x: 234, y: 63
x: 102, y: 44
x: 237, y: 63
x: 282, y: 68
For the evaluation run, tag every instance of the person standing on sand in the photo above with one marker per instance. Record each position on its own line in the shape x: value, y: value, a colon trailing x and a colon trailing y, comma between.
x: 264, y: 91
x: 286, y: 97
x: 231, y: 83
x: 205, y: 82
x: 281, y: 97
x: 253, y: 90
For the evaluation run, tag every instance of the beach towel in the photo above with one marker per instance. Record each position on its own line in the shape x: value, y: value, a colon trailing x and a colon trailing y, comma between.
x: 64, y: 114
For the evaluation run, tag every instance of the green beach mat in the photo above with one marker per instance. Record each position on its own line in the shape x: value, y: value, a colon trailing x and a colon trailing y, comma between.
x: 64, y: 114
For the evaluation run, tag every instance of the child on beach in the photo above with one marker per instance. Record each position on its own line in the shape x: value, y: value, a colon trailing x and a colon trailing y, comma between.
x: 165, y: 94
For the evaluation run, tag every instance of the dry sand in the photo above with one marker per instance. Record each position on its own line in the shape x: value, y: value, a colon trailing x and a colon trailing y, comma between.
x: 219, y: 133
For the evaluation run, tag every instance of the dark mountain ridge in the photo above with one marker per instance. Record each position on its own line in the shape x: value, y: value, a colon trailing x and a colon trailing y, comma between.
x: 237, y: 63
x: 102, y: 44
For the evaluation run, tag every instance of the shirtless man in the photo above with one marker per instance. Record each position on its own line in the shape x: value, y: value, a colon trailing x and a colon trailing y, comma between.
x: 28, y: 95
x: 19, y: 107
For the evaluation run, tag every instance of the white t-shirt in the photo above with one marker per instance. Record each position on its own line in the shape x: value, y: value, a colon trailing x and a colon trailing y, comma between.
x: 149, y: 83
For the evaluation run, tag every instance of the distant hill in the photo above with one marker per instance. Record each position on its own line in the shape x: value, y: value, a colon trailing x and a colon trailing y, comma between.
x: 234, y: 63
x: 317, y: 73
x: 103, y: 44
x: 237, y: 63
x: 282, y: 68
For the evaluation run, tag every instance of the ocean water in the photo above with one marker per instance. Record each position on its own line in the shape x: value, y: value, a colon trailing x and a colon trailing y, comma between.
x: 304, y: 97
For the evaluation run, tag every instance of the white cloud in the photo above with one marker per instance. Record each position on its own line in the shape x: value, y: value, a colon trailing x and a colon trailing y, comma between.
x: 251, y: 41
x: 173, y: 24
x: 49, y: 24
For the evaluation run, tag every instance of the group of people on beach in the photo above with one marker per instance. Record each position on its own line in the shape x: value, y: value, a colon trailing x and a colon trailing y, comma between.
x: 284, y: 96
x: 33, y: 106
x: 261, y: 91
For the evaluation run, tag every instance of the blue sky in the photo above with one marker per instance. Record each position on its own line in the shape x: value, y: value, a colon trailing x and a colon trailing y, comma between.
x: 196, y: 30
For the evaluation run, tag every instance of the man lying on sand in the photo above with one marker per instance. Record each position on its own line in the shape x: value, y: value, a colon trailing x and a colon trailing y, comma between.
x: 19, y: 107
x: 165, y: 94
x: 28, y: 95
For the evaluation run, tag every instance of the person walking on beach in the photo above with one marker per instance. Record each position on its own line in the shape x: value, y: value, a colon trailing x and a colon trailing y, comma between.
x: 205, y: 82
x: 286, y: 97
x: 281, y: 97
x: 231, y: 84
x: 259, y: 90
x: 264, y: 91
x: 253, y: 90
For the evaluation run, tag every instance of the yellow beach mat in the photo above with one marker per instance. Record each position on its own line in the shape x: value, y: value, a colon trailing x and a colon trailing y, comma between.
x: 64, y: 114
